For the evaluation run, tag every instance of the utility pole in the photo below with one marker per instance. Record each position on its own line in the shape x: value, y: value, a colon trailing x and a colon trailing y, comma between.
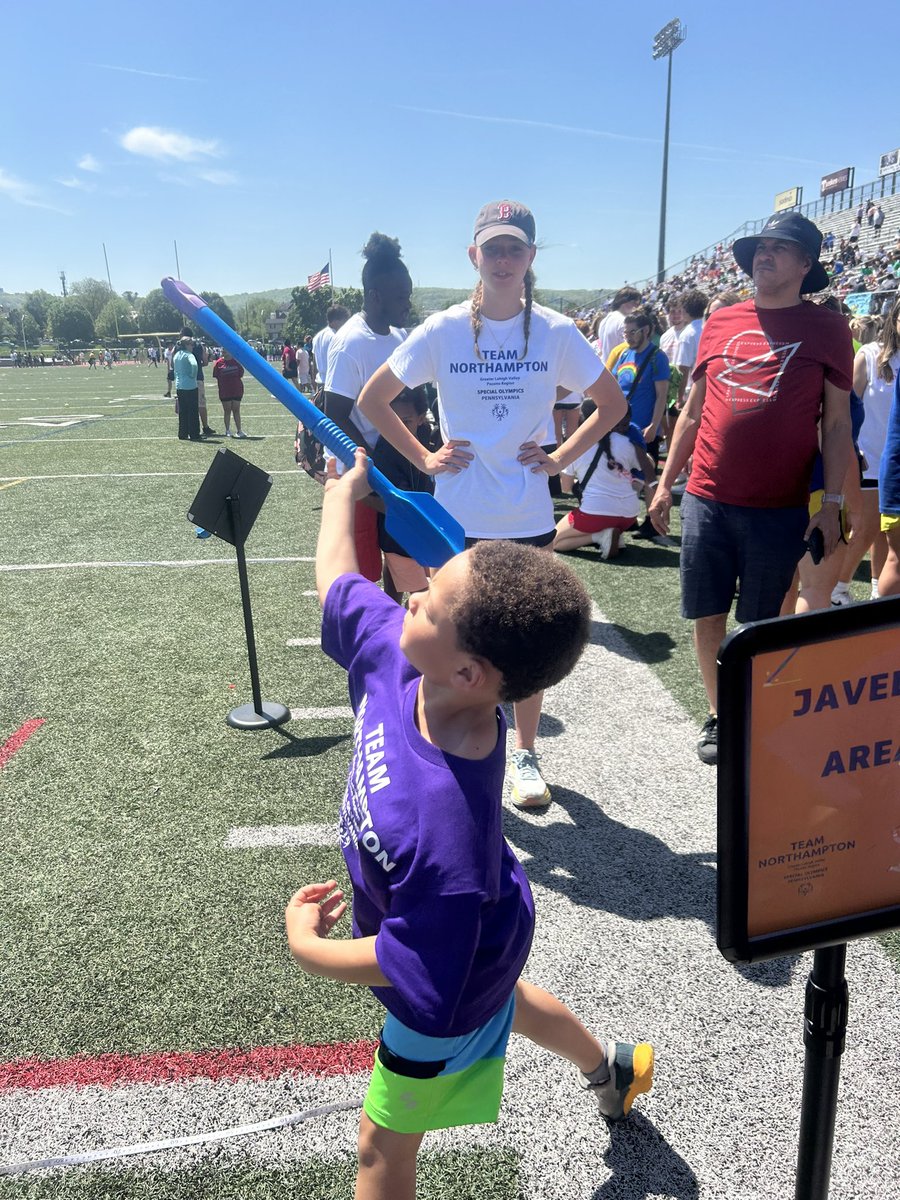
x: 62, y: 279
x: 665, y: 43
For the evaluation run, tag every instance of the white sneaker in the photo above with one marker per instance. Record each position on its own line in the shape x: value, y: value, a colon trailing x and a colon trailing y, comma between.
x: 603, y: 540
x: 528, y: 787
x: 241, y: 434
x: 840, y: 597
x: 227, y: 433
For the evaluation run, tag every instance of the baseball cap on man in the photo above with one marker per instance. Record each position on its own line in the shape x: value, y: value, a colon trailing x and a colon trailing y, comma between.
x: 504, y: 216
x: 787, y: 227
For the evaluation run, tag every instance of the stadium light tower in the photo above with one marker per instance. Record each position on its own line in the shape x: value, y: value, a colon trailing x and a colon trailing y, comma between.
x: 665, y: 43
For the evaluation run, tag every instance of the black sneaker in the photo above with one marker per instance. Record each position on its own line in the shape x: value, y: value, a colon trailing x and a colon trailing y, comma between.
x: 207, y: 432
x: 645, y: 531
x: 708, y: 745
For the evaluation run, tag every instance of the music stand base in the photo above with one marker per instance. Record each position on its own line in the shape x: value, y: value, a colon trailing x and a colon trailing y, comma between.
x: 246, y: 716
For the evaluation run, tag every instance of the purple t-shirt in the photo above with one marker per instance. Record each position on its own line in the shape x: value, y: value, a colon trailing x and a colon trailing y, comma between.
x: 433, y: 878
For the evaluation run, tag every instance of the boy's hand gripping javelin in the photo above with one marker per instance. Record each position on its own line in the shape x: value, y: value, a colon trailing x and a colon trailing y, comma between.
x: 422, y: 526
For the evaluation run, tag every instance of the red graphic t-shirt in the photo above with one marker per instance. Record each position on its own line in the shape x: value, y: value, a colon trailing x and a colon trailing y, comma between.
x: 229, y: 375
x: 765, y: 370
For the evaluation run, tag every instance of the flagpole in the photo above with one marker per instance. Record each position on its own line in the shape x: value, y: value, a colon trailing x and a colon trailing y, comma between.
x: 331, y: 274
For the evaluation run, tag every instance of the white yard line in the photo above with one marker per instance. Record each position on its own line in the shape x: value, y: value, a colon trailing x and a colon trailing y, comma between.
x: 304, y: 642
x: 185, y: 562
x: 341, y: 712
x: 297, y: 473
x: 257, y: 837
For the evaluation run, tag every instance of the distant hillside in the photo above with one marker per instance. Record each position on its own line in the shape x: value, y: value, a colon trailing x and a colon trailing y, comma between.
x: 277, y: 296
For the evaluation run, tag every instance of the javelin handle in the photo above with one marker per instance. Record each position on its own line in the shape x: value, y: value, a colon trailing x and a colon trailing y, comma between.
x: 196, y: 309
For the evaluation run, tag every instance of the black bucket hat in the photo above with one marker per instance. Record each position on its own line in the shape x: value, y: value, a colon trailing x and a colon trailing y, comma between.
x: 788, y: 227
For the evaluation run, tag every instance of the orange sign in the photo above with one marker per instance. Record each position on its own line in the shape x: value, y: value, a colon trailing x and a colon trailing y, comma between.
x: 824, y: 816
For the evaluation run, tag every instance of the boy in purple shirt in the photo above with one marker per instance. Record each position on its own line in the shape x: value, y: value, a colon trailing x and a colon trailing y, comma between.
x: 442, y: 912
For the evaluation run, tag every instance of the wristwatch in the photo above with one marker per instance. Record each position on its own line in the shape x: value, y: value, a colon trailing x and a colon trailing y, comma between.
x: 833, y: 498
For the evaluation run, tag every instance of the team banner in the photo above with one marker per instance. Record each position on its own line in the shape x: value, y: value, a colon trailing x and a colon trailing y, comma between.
x: 889, y: 163
x: 837, y: 181
x: 788, y: 199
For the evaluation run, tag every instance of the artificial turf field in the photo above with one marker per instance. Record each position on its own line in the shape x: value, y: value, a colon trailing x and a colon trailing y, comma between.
x: 142, y: 927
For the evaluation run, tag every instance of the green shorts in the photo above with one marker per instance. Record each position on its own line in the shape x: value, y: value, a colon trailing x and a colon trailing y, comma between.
x: 420, y: 1083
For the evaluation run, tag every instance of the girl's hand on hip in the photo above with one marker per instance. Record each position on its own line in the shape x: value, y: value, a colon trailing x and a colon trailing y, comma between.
x: 450, y: 458
x: 534, y: 456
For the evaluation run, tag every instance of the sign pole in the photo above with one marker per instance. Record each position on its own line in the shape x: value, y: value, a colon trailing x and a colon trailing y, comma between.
x: 824, y: 1030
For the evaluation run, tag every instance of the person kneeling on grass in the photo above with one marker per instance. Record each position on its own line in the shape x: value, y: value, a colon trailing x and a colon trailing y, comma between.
x: 608, y: 502
x: 443, y: 915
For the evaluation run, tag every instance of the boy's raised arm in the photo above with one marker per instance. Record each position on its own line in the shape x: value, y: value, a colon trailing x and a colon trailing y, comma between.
x: 336, y: 550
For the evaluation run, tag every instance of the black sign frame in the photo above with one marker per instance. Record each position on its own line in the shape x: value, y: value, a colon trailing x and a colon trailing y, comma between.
x: 733, y: 796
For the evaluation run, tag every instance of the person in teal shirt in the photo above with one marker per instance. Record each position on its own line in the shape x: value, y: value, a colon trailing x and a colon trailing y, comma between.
x: 186, y: 392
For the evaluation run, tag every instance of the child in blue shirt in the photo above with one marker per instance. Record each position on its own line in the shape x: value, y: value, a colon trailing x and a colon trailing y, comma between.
x: 442, y: 912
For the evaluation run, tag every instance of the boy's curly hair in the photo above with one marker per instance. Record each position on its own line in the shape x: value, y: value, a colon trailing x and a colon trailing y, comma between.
x: 525, y: 612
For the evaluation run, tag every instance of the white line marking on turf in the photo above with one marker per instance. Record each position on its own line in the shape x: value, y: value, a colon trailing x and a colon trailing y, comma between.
x: 298, y: 474
x: 187, y: 562
x: 127, y: 437
x: 304, y: 642
x: 322, y: 714
x: 254, y: 837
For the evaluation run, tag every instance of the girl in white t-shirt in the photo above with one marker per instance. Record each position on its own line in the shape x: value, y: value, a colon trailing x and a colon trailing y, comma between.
x: 497, y: 361
x: 609, y: 503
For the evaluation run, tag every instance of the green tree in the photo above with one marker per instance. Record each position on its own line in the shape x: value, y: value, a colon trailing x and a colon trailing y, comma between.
x: 252, y: 320
x: 131, y: 297
x: 70, y: 321
x: 34, y: 335
x: 157, y: 315
x: 219, y: 307
x: 38, y: 303
x: 115, y: 317
x: 93, y: 294
x: 307, y: 309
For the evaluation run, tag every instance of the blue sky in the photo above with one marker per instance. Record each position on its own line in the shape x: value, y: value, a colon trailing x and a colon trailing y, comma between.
x: 260, y: 136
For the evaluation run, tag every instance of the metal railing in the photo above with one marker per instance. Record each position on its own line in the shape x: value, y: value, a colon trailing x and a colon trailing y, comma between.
x: 877, y: 189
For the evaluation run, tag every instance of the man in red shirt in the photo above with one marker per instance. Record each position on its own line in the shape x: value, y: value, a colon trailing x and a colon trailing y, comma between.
x: 772, y: 377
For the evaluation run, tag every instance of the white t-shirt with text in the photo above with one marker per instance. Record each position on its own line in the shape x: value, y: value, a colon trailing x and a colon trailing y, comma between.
x: 497, y: 402
x: 353, y: 358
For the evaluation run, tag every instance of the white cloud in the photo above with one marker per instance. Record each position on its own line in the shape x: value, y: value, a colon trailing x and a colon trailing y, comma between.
x: 87, y: 162
x: 76, y: 183
x: 20, y: 192
x: 153, y: 142
x: 219, y: 178
x: 150, y: 74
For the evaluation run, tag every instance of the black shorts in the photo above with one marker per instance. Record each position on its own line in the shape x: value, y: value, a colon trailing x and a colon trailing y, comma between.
x: 724, y: 543
x: 540, y: 540
x: 290, y: 372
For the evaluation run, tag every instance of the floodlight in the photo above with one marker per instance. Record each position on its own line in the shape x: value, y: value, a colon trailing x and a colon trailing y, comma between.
x: 669, y: 38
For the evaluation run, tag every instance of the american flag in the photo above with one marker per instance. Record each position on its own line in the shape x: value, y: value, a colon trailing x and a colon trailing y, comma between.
x: 320, y: 279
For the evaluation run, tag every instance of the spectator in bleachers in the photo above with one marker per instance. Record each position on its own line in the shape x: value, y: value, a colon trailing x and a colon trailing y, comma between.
x: 611, y: 330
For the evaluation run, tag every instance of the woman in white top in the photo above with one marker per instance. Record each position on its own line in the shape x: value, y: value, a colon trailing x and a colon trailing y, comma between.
x: 875, y: 368
x: 497, y: 361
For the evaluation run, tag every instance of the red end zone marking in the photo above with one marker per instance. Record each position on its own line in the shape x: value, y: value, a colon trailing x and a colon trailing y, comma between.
x: 18, y: 739
x: 265, y: 1062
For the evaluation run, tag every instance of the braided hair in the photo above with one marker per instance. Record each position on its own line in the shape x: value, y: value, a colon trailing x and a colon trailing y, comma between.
x: 475, y: 303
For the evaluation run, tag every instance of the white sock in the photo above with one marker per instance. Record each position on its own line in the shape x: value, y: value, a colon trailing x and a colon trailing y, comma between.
x: 874, y: 589
x: 842, y: 587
